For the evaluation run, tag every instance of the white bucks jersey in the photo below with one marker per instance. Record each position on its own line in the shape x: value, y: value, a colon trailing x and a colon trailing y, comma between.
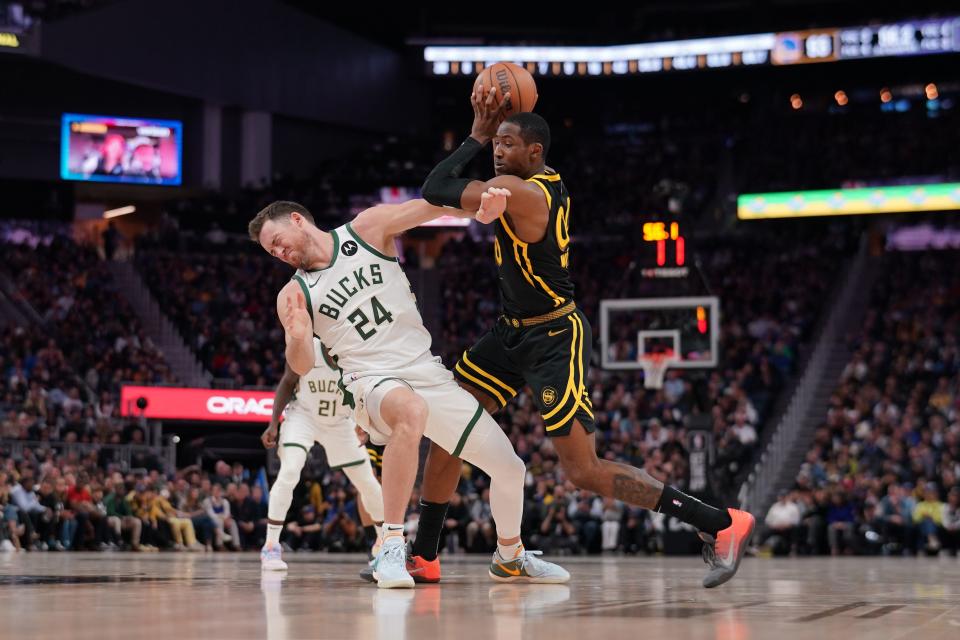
x: 318, y: 395
x: 364, y: 310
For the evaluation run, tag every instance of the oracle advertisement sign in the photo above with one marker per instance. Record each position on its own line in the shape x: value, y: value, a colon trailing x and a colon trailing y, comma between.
x: 212, y: 405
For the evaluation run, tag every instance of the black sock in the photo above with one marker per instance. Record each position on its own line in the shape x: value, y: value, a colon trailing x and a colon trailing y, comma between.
x: 690, y: 510
x: 370, y: 534
x: 432, y: 515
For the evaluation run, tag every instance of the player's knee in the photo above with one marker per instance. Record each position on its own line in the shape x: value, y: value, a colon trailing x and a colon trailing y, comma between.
x: 414, y: 414
x: 289, y: 475
x: 410, y: 425
x: 515, y: 468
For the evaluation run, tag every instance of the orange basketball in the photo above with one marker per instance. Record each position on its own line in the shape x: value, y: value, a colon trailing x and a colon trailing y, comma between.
x: 507, y: 76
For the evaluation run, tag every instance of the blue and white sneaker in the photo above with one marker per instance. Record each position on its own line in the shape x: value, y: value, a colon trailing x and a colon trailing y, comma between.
x: 527, y: 567
x: 270, y: 558
x: 390, y: 565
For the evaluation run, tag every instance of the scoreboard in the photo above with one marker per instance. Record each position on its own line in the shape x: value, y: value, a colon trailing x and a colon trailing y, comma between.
x: 663, y: 252
x: 832, y: 44
x: 921, y: 37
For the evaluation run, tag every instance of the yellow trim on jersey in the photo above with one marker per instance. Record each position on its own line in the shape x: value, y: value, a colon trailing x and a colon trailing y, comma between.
x: 552, y: 177
x: 521, y: 246
x: 571, y: 383
x: 466, y: 360
x: 496, y: 394
x: 546, y: 192
x: 516, y: 250
x: 586, y: 398
x: 583, y: 390
x: 576, y: 362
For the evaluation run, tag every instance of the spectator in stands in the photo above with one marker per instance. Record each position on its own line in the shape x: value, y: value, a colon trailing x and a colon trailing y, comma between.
x: 251, y: 516
x: 31, y: 512
x: 480, y: 534
x: 840, y: 529
x: 178, y: 522
x: 341, y: 525
x: 455, y: 525
x: 218, y: 509
x: 613, y: 514
x: 204, y: 526
x: 783, y: 525
x: 896, y: 513
x: 306, y: 532
x: 928, y: 518
x: 588, y: 522
x: 557, y: 533
x: 120, y: 517
x: 156, y: 535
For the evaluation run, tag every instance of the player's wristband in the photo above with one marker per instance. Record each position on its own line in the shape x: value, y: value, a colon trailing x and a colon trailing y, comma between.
x: 444, y: 186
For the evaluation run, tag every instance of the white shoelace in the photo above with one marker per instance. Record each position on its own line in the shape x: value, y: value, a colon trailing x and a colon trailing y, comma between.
x: 531, y: 557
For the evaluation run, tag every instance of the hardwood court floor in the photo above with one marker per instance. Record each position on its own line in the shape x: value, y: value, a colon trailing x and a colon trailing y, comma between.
x: 183, y: 596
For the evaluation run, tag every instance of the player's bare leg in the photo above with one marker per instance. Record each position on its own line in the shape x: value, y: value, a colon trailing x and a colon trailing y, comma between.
x: 405, y: 413
x: 725, y: 532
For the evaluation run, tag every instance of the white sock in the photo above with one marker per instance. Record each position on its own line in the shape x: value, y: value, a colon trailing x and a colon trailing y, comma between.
x: 509, y: 551
x: 273, y: 534
x: 392, y: 532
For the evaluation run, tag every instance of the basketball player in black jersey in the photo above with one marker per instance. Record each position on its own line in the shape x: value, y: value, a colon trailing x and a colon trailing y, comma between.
x: 543, y: 340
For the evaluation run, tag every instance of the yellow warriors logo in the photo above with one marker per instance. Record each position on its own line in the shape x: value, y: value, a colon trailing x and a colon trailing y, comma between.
x: 548, y: 396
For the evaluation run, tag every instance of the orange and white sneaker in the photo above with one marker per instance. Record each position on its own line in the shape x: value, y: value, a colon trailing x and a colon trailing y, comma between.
x: 724, y: 553
x: 423, y: 571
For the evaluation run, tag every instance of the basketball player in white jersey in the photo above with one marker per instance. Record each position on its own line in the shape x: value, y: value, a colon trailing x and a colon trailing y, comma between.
x: 315, y: 412
x: 350, y: 291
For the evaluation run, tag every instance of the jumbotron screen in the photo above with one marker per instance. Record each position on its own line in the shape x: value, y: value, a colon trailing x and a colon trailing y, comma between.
x: 117, y: 149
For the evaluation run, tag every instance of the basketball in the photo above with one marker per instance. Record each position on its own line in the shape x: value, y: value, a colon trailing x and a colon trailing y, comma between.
x: 507, y: 76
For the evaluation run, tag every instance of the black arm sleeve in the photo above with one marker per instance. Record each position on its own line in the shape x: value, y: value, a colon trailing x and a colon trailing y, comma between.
x: 444, y: 186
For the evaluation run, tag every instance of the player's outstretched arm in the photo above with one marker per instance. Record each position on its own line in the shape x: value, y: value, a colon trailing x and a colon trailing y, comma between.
x: 281, y: 398
x: 379, y: 225
x: 297, y: 329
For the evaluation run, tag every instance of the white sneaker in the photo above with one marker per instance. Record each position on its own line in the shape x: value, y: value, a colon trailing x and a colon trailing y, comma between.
x: 6, y: 546
x: 270, y: 559
x: 390, y: 565
x: 527, y: 567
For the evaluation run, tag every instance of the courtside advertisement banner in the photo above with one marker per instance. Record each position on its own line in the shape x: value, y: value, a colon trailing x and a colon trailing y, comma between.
x: 212, y: 405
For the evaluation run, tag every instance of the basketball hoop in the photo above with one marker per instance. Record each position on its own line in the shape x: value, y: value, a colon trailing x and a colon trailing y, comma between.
x: 655, y: 367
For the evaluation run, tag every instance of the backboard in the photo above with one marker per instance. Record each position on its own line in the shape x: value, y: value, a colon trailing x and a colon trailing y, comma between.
x: 636, y: 333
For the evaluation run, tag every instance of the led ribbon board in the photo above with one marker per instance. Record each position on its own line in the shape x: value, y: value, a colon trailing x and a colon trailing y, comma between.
x: 850, y: 202
x: 830, y: 44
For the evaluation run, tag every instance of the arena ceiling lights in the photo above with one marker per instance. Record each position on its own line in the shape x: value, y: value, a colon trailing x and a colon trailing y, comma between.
x: 918, y: 37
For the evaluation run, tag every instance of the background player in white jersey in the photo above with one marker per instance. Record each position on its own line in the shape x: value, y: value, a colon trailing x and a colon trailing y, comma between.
x: 315, y: 413
x: 351, y: 292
